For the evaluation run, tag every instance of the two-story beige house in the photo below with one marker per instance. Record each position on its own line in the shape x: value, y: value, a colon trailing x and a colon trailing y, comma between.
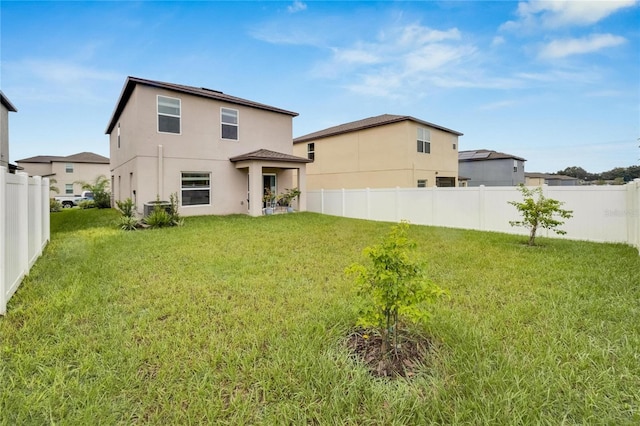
x: 69, y: 172
x: 5, y: 107
x: 385, y: 151
x: 216, y: 152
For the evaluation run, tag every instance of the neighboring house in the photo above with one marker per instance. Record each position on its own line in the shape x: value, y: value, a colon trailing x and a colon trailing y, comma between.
x: 216, y: 152
x: 385, y: 151
x: 539, y: 179
x: 5, y: 108
x: 491, y: 168
x: 67, y: 171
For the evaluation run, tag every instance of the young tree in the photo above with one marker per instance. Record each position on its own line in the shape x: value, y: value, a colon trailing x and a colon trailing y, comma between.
x: 392, y: 287
x: 538, y: 212
x: 100, y: 189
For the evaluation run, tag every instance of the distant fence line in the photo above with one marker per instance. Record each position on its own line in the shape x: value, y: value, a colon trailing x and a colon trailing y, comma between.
x: 24, y: 228
x: 600, y: 213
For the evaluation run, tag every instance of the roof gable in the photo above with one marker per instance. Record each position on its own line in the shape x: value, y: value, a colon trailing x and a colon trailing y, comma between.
x: 367, y: 123
x: 132, y: 82
x: 267, y: 155
x: 7, y: 103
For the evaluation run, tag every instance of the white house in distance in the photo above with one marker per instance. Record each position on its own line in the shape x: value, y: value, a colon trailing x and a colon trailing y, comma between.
x: 217, y: 152
x: 68, y: 171
x: 5, y: 107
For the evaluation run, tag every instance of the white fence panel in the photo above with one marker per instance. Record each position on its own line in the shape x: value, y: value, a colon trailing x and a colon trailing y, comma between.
x: 24, y: 228
x: 600, y: 213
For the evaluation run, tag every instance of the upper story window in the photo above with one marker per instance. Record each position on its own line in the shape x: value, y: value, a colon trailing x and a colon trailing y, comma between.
x: 515, y: 165
x: 168, y: 115
x: 229, y: 120
x: 422, y: 183
x: 118, y: 135
x: 68, y: 167
x: 311, y: 151
x: 424, y: 140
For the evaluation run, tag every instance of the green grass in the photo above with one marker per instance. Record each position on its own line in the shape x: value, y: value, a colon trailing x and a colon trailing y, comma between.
x: 240, y: 320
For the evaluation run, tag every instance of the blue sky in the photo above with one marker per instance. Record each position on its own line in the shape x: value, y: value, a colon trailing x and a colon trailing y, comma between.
x: 557, y: 82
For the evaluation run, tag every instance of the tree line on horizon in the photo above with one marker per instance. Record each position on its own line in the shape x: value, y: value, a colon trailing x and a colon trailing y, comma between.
x: 617, y: 174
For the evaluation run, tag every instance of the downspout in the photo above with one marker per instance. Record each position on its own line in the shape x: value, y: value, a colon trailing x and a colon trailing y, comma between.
x: 160, y: 173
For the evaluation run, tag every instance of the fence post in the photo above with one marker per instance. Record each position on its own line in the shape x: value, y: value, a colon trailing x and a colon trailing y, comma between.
x: 322, y: 201
x: 46, y: 214
x: 368, y: 195
x: 481, y: 207
x: 397, y: 203
x: 344, y: 207
x: 3, y: 233
x: 23, y: 224
x: 633, y: 213
x: 37, y: 222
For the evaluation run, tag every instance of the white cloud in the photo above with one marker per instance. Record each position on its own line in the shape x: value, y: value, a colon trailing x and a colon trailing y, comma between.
x: 355, y: 56
x: 561, y: 13
x: 567, y: 47
x: 401, y: 60
x: 297, y: 6
x: 55, y: 80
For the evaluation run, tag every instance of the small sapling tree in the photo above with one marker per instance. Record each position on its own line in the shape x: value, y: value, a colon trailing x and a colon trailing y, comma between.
x: 393, y: 287
x: 538, y: 211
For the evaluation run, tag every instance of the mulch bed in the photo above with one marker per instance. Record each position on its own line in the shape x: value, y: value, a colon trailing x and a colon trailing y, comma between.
x: 405, y: 361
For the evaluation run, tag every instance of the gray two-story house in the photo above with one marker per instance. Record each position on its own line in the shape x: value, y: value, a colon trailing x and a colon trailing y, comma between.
x: 491, y: 168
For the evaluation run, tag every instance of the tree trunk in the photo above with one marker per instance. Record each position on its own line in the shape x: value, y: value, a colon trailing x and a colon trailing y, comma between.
x: 532, y: 235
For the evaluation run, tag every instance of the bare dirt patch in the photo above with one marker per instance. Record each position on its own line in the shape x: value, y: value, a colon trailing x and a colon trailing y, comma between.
x: 410, y: 354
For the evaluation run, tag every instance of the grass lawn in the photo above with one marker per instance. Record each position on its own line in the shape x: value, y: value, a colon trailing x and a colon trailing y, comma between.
x: 240, y: 320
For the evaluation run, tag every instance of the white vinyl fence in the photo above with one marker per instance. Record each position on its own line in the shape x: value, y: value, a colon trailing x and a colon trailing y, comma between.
x: 600, y: 213
x: 24, y: 228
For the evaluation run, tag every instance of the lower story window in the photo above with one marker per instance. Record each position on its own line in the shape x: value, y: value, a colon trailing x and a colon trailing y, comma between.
x: 196, y: 188
x: 422, y: 183
x: 68, y: 188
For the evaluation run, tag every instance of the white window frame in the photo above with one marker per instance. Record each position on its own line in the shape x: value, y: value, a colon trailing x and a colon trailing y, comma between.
x: 68, y: 168
x: 178, y: 116
x: 118, y: 135
x: 223, y: 123
x: 68, y: 188
x: 311, y: 151
x: 422, y: 183
x: 515, y: 166
x: 423, y: 137
x: 198, y: 188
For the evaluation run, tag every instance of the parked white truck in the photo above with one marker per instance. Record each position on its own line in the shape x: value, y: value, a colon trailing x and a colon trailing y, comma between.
x: 73, y: 200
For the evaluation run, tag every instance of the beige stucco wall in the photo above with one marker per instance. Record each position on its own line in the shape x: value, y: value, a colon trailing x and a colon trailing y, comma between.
x: 4, y: 136
x: 139, y: 163
x: 533, y: 181
x: 82, y: 172
x: 380, y: 157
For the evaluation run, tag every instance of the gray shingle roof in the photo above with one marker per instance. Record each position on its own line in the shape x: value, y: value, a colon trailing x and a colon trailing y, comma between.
x: 485, y: 154
x: 131, y: 82
x: 81, y: 157
x: 379, y: 120
x: 548, y: 176
x: 267, y: 155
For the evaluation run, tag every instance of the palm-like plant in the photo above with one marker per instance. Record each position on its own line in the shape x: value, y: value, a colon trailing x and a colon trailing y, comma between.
x: 100, y: 189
